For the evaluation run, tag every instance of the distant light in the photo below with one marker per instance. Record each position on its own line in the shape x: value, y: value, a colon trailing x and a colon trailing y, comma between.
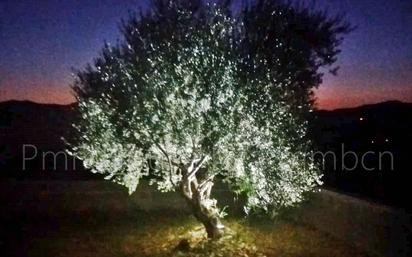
x: 373, y: 142
x: 361, y: 118
x: 386, y: 140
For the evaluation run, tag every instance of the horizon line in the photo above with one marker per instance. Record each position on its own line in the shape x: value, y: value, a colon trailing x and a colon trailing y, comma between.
x: 316, y: 109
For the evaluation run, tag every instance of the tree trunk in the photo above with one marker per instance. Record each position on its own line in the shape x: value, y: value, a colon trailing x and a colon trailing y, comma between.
x: 198, y: 196
x: 208, y: 216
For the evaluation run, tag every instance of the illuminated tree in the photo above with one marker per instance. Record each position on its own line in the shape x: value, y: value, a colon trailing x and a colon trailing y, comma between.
x: 194, y: 92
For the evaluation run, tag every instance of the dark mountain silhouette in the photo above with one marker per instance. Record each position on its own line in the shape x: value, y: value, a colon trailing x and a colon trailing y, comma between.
x: 26, y: 125
x: 24, y: 122
x: 368, y: 131
x: 379, y: 127
x: 384, y: 124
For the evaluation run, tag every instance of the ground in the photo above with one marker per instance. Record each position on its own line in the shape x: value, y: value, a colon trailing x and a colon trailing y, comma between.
x: 159, y: 234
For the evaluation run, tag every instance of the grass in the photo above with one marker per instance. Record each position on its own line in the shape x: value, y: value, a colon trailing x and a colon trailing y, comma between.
x: 157, y: 235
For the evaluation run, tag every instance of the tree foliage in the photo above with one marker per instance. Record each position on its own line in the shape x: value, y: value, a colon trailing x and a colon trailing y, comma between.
x: 197, y: 90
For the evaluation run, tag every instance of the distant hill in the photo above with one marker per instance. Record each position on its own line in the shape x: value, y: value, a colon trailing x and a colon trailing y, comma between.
x: 366, y: 124
x: 378, y: 128
x: 24, y: 122
x: 389, y: 110
x: 41, y: 125
x: 385, y: 126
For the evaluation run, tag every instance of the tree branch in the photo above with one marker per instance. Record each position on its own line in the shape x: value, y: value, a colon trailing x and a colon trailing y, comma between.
x: 170, y: 162
x: 194, y: 169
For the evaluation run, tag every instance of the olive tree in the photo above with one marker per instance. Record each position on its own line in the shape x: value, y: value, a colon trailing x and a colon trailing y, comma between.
x: 196, y: 91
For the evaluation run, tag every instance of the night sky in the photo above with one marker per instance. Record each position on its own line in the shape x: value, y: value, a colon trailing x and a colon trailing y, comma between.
x: 40, y: 41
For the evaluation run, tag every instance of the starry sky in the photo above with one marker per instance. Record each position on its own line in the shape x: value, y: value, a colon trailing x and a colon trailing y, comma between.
x: 41, y: 41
